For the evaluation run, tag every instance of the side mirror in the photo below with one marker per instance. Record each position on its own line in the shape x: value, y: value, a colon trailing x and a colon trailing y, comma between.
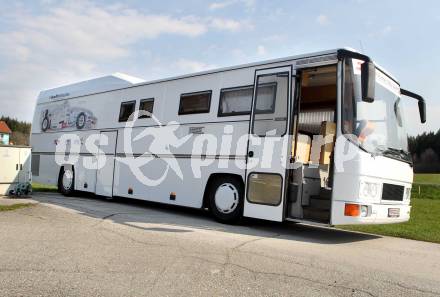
x: 421, y: 103
x: 368, y: 81
x: 422, y: 111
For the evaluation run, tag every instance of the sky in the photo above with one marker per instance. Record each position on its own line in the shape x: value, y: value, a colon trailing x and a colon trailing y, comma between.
x: 49, y: 43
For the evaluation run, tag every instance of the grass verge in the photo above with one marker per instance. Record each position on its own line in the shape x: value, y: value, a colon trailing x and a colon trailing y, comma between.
x: 427, y: 178
x: 424, y: 223
x: 14, y: 206
x: 36, y: 187
x: 422, y: 191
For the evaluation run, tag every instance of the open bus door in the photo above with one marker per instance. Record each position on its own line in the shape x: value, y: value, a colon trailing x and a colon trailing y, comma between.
x: 269, y: 144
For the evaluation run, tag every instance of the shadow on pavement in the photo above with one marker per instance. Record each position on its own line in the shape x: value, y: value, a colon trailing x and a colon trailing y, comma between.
x: 146, y: 215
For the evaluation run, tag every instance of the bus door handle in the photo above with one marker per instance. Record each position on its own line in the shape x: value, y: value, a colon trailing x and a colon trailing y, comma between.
x: 21, y: 166
x: 16, y: 167
x: 250, y: 154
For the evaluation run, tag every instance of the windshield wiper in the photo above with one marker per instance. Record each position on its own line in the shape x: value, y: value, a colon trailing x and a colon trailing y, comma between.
x: 401, y: 154
x: 393, y: 153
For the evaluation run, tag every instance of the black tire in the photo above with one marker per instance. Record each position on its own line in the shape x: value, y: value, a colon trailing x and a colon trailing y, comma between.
x: 81, y: 120
x: 45, y: 124
x: 63, y: 188
x: 227, y: 215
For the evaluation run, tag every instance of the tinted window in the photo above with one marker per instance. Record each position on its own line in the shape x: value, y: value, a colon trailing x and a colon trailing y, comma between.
x: 238, y: 101
x: 146, y: 105
x: 35, y: 165
x: 265, y: 188
x: 127, y: 108
x: 195, y: 102
x: 266, y: 95
x: 270, y: 116
x: 235, y: 101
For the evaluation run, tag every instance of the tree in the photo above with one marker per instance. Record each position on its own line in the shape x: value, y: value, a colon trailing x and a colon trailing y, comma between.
x: 425, y: 149
x: 20, y: 130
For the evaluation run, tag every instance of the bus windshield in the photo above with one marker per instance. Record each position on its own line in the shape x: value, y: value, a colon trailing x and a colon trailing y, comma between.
x: 377, y: 127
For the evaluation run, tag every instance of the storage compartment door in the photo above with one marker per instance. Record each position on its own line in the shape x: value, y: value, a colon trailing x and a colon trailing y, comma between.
x: 106, y: 163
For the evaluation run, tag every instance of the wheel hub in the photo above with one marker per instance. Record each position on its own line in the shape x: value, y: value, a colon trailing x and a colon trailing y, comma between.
x: 226, y: 198
x: 81, y: 121
x: 67, y: 179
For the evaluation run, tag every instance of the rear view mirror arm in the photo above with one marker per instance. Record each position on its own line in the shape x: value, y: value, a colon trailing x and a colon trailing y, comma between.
x: 368, y: 73
x: 421, y: 103
x: 343, y: 53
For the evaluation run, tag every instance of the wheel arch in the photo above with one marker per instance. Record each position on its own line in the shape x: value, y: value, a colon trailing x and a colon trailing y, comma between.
x: 60, y: 172
x: 212, y: 177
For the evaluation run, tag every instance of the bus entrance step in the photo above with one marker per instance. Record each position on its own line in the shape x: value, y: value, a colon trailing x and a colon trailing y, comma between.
x: 315, y: 214
x: 319, y: 203
x: 325, y: 193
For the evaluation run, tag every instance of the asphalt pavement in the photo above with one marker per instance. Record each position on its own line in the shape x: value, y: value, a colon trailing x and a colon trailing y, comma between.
x: 87, y: 246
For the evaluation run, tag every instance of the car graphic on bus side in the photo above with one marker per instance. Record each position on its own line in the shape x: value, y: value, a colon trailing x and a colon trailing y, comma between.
x: 64, y: 116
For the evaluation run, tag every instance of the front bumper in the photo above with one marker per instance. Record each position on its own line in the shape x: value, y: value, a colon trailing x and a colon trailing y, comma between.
x: 377, y: 215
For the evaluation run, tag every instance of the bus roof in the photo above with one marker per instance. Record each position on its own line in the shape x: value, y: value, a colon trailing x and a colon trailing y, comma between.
x: 96, y: 85
x: 118, y: 81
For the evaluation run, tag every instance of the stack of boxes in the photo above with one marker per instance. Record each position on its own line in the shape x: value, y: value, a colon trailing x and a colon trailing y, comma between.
x: 320, y: 149
x: 317, y: 152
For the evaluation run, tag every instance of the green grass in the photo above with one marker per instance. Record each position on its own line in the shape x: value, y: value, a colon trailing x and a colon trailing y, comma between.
x: 426, y: 186
x: 36, y: 187
x: 424, y: 223
x: 422, y: 191
x: 14, y: 206
x: 423, y: 178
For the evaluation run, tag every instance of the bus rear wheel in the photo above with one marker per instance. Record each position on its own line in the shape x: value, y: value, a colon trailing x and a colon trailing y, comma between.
x: 81, y: 120
x: 226, y: 199
x: 66, y: 181
x: 45, y: 124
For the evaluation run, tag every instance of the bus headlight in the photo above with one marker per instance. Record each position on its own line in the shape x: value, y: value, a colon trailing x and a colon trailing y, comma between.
x: 369, y: 190
x: 356, y: 210
x: 407, y: 194
x: 364, y: 211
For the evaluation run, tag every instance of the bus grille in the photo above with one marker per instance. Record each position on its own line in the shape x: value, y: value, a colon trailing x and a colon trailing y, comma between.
x: 392, y: 192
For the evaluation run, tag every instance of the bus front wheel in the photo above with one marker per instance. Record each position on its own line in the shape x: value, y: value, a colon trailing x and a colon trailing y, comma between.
x: 226, y: 199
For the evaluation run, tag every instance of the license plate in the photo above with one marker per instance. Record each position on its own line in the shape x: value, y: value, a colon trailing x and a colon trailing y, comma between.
x: 393, y: 212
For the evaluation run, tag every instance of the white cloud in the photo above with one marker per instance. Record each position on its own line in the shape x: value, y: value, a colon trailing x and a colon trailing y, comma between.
x: 79, y: 40
x: 261, y: 50
x: 276, y: 38
x: 220, y: 5
x: 230, y: 25
x: 322, y: 19
x: 103, y: 33
x: 239, y: 54
x: 94, y: 32
x: 381, y: 32
x: 387, y: 30
x: 249, y: 4
x: 186, y: 65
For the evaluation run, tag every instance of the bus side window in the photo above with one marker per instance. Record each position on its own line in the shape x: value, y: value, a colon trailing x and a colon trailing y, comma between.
x: 146, y: 105
x: 235, y: 101
x: 127, y: 109
x: 198, y: 102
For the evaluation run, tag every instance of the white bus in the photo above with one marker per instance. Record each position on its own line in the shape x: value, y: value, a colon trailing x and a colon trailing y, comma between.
x: 317, y: 138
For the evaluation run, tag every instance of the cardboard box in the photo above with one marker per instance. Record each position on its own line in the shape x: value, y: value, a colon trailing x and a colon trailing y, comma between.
x: 302, y: 149
x: 328, y: 131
